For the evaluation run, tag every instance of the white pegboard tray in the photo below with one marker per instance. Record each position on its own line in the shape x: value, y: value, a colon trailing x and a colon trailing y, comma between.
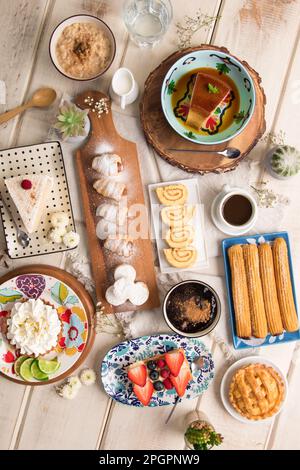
x: 45, y: 158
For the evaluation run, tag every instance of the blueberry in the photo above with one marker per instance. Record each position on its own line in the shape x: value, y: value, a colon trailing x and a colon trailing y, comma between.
x: 151, y: 365
x: 154, y: 375
x: 159, y: 386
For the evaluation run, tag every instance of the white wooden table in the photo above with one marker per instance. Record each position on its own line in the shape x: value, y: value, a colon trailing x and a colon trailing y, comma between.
x: 263, y: 32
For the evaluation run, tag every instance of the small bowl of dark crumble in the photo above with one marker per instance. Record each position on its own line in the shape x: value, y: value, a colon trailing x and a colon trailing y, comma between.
x: 192, y: 308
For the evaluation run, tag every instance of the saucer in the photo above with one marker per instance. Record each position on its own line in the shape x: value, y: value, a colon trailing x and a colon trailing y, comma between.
x: 223, y: 227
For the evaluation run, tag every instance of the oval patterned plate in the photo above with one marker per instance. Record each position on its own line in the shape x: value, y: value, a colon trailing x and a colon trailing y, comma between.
x: 73, y: 305
x: 114, y: 376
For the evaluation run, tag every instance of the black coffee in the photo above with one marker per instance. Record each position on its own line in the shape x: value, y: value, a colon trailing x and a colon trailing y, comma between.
x: 237, y: 210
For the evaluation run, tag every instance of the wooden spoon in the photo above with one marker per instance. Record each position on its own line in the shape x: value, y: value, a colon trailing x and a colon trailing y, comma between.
x: 40, y: 99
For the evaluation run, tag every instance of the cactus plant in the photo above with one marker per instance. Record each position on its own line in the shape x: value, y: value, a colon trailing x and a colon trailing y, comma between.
x: 201, y: 436
x: 284, y: 161
x: 71, y: 121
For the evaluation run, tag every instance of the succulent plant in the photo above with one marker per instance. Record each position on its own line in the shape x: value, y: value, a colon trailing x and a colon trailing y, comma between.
x: 201, y: 436
x: 71, y: 121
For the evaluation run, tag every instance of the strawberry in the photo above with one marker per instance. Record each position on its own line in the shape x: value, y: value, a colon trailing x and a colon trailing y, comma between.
x: 174, y: 360
x: 180, y: 382
x: 145, y: 393
x: 138, y: 374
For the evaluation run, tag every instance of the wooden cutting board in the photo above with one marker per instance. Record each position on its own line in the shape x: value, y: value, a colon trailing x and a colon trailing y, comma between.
x: 162, y: 136
x: 104, y: 138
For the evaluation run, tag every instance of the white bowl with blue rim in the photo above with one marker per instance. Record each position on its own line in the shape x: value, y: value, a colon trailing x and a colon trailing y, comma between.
x: 225, y: 64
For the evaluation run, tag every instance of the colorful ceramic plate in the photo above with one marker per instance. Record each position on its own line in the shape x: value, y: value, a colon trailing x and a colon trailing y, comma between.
x: 226, y: 380
x: 114, y: 376
x: 212, y: 131
x: 73, y: 304
x: 240, y: 343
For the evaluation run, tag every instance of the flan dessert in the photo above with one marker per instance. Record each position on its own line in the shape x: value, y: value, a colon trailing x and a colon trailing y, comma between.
x: 208, y: 93
x: 30, y: 194
x: 33, y: 327
x: 162, y: 372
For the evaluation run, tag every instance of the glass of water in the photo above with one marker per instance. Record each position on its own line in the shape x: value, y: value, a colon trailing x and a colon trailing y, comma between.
x: 147, y: 20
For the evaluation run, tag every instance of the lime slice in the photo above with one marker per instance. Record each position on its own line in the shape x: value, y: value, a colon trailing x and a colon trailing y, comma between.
x: 18, y: 363
x: 25, y: 371
x: 37, y: 373
x: 48, y: 367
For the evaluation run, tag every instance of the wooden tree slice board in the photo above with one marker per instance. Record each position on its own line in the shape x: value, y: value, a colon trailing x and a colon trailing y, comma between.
x: 162, y: 136
x: 105, y: 139
x: 83, y: 296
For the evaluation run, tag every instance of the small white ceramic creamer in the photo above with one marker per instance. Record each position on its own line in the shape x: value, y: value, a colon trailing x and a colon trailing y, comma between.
x: 124, y: 89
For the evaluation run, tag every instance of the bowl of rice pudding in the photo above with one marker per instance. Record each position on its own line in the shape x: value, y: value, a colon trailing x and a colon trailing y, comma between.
x: 82, y: 47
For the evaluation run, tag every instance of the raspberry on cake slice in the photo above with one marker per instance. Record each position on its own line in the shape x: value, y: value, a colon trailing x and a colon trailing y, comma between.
x: 159, y: 373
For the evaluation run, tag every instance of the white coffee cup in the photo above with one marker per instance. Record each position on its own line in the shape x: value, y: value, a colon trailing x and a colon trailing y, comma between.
x: 123, y: 89
x: 218, y: 210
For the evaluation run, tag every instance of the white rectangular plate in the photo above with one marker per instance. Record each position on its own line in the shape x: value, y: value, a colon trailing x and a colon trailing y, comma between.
x: 197, y: 222
x: 47, y: 159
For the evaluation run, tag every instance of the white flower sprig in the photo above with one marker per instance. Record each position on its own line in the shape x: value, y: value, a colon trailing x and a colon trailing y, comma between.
x: 88, y: 377
x: 70, y: 387
x: 267, y: 198
x: 274, y: 138
x: 191, y: 25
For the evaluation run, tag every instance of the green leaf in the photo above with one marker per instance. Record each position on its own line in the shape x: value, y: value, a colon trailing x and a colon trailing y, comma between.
x: 213, y: 89
x: 171, y: 87
x: 238, y: 117
x: 191, y: 135
x: 222, y: 68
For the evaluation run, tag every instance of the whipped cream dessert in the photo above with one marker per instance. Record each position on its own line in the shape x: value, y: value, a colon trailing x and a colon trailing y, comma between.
x: 33, y: 327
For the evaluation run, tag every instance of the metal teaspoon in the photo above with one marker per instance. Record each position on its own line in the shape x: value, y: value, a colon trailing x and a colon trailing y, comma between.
x: 230, y: 152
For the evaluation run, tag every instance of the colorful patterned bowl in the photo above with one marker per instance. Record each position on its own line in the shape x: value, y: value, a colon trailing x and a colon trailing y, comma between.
x: 225, y: 64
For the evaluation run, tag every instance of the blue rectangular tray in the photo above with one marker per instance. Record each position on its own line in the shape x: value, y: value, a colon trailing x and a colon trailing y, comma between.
x: 240, y: 343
